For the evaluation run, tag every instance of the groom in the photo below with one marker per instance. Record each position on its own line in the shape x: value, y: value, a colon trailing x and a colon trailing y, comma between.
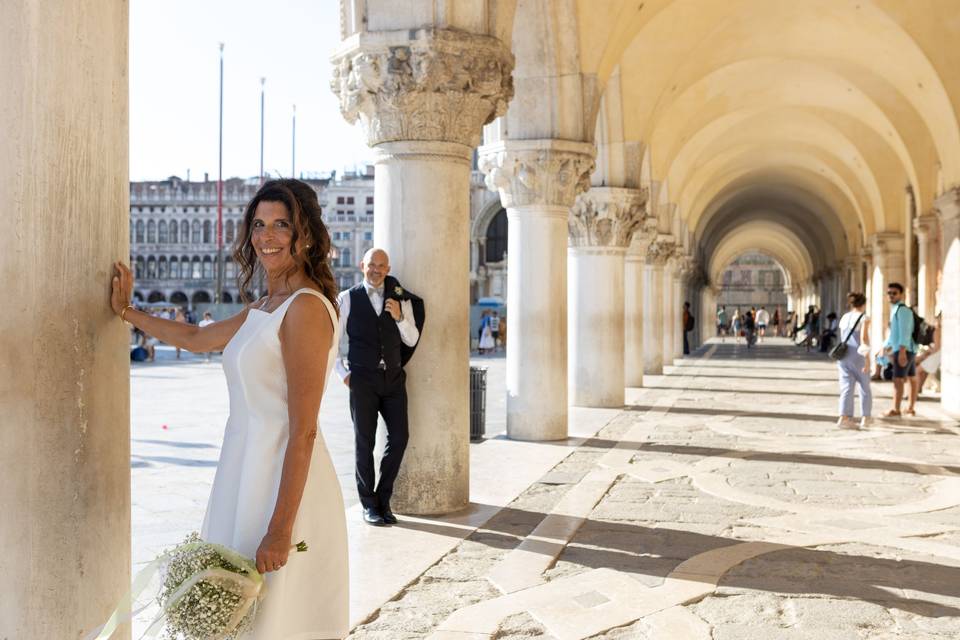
x: 380, y: 326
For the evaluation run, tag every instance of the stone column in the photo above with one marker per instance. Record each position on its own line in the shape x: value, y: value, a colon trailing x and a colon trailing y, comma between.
x: 602, y: 223
x: 927, y: 230
x: 64, y: 367
x: 653, y: 318
x: 669, y: 303
x: 422, y: 98
x: 538, y: 181
x: 949, y: 207
x: 888, y: 266
x: 633, y: 301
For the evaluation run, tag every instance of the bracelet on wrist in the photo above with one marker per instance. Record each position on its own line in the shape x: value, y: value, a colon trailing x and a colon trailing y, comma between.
x: 124, y: 312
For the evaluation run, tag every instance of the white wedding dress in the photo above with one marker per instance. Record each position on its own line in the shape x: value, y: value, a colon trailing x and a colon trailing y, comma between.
x: 308, y: 598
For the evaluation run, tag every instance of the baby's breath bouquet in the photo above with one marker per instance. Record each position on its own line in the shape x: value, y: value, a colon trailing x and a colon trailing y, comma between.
x: 207, y: 592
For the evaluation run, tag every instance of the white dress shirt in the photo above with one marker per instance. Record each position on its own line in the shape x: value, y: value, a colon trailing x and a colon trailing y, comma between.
x: 409, y: 333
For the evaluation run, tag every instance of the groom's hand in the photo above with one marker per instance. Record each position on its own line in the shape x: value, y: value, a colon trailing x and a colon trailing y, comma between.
x: 273, y: 552
x: 393, y: 307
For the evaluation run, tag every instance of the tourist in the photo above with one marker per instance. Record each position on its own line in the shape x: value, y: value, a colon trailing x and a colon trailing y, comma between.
x: 902, y: 351
x: 854, y: 367
x: 484, y: 320
x: 274, y: 469
x: 829, y: 332
x: 750, y: 328
x: 776, y: 322
x: 382, y: 323
x: 722, y: 324
x: 763, y: 319
x: 495, y: 330
x: 206, y: 322
x: 736, y: 325
x: 811, y: 326
x: 487, y: 341
x: 688, y: 322
x: 929, y: 360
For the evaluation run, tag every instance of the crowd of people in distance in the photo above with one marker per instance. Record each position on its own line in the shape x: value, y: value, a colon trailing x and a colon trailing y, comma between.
x: 492, y: 333
x: 909, y: 355
x: 143, y: 347
x: 752, y: 326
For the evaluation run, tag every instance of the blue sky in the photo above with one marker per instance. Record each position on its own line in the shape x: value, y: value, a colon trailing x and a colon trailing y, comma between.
x: 174, y: 88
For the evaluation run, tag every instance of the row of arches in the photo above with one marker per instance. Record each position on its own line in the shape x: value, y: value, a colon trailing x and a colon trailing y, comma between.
x: 181, y: 231
x: 200, y: 296
x: 181, y: 268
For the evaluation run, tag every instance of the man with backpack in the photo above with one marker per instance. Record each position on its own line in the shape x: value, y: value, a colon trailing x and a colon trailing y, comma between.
x: 902, y: 348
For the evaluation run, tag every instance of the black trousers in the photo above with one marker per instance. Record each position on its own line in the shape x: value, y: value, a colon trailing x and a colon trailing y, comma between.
x: 686, y: 343
x: 376, y: 392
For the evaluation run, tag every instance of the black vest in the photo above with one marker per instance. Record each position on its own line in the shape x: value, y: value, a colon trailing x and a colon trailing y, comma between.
x: 372, y: 338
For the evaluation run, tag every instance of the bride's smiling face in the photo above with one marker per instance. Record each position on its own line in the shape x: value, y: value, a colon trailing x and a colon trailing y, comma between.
x: 272, y: 236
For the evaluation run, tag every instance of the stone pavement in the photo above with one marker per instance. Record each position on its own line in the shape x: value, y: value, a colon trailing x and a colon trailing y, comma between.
x: 721, y: 503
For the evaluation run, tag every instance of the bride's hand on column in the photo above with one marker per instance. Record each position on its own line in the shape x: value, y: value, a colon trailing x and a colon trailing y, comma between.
x: 273, y: 552
x: 121, y: 288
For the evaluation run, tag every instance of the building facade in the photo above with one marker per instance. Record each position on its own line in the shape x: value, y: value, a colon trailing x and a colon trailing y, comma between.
x: 754, y: 280
x: 173, y: 235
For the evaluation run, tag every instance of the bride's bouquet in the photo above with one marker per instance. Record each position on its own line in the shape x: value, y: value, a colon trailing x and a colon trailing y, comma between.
x: 207, y: 592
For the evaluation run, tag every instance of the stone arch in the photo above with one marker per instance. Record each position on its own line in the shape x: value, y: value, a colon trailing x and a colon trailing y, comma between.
x: 200, y: 297
x: 156, y: 296
x: 178, y: 297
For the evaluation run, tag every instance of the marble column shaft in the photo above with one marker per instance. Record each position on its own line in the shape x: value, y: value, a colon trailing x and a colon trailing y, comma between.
x: 948, y: 206
x: 538, y: 181
x: 64, y: 365
x: 422, y: 98
x: 635, y: 279
x: 888, y: 266
x: 656, y: 319
x: 602, y: 223
x: 927, y: 230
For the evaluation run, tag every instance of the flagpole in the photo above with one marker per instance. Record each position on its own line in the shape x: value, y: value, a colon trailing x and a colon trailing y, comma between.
x: 263, y: 81
x: 219, y: 290
x: 293, y: 161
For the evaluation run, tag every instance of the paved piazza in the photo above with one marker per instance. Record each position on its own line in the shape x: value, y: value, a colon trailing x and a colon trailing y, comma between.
x: 721, y: 503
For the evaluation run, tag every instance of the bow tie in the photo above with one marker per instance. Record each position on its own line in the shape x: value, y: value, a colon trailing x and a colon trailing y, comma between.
x: 377, y: 290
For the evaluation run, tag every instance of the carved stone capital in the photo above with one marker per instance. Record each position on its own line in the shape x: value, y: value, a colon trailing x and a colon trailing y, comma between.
x: 948, y: 204
x: 606, y: 217
x: 888, y: 247
x: 926, y: 227
x: 438, y: 85
x: 538, y: 172
x: 643, y: 237
x: 661, y: 251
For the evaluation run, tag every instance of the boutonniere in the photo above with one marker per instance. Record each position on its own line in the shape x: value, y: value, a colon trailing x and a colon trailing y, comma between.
x: 398, y: 290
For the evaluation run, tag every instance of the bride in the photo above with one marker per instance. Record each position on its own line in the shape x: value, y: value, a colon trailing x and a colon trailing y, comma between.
x: 275, y: 483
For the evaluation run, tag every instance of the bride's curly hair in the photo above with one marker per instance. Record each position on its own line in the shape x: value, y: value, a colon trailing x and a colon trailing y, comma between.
x: 310, y: 247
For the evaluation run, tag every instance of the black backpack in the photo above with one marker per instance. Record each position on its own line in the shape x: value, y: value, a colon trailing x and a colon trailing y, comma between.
x: 922, y: 331
x: 690, y: 322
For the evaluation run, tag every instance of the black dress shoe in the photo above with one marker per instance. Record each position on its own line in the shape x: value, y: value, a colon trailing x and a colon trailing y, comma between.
x: 372, y: 517
x: 388, y: 516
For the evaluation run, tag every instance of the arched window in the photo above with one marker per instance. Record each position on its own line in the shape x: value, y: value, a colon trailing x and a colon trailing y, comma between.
x: 207, y: 235
x: 162, y: 232
x: 139, y: 231
x: 201, y: 297
x: 156, y: 296
x: 497, y: 237
x: 346, y: 259
x: 184, y: 232
x: 226, y: 297
x: 196, y: 274
x: 151, y: 268
x: 174, y: 263
x: 178, y: 297
x: 229, y: 231
x: 162, y: 272
x: 207, y: 268
x: 174, y: 227
x: 138, y: 268
x: 151, y: 232
x: 195, y: 238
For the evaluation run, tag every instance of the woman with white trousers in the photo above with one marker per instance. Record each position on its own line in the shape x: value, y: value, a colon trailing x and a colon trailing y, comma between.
x: 854, y: 366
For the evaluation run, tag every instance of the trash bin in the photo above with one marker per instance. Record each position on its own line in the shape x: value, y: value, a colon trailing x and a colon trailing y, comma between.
x: 478, y: 402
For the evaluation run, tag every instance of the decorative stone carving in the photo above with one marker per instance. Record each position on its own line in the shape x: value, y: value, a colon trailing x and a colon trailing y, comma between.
x: 888, y: 248
x: 948, y: 204
x: 432, y: 85
x: 926, y: 227
x: 606, y: 217
x: 661, y: 251
x: 538, y: 172
x: 642, y: 237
